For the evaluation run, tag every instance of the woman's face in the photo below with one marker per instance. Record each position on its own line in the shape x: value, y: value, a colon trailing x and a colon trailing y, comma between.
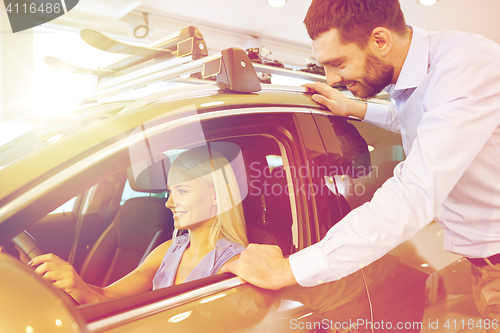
x: 191, y: 200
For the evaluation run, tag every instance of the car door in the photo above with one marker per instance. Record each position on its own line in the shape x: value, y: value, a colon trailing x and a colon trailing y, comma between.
x: 276, y: 149
x: 274, y: 144
x: 360, y: 167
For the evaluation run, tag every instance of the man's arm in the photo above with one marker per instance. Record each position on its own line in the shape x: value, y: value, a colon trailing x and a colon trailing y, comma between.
x: 460, y: 119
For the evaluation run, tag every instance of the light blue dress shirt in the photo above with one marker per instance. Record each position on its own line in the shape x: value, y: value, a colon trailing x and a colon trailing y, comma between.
x: 447, y: 109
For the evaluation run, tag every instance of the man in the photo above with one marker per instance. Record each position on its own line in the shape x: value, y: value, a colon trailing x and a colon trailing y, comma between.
x: 446, y: 88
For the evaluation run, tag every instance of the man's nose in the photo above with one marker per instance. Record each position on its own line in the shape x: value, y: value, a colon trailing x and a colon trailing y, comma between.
x: 332, y: 77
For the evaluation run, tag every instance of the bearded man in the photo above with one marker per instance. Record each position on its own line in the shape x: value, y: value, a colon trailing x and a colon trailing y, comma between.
x: 446, y: 89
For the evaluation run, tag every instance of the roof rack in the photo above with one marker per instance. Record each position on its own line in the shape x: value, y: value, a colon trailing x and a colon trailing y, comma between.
x: 179, y: 55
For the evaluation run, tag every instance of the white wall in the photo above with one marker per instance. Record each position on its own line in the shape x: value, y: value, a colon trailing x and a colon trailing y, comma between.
x: 478, y: 16
x: 16, y: 68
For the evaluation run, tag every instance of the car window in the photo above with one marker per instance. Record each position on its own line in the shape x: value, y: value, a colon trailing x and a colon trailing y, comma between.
x: 324, y: 161
x: 354, y: 160
x: 362, y: 157
x: 262, y: 150
x: 258, y: 159
x: 34, y: 133
x: 66, y: 207
x: 129, y: 193
x: 385, y: 151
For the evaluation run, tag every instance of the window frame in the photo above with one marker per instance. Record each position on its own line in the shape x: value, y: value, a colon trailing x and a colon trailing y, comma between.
x: 194, y: 290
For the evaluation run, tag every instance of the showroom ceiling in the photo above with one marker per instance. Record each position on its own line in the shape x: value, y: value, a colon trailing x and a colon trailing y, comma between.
x: 256, y: 17
x: 234, y: 23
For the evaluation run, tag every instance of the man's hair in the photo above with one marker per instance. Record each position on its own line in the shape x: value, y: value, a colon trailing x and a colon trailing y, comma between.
x: 354, y: 19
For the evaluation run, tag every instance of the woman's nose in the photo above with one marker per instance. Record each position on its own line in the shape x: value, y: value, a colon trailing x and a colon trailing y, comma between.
x: 170, y: 202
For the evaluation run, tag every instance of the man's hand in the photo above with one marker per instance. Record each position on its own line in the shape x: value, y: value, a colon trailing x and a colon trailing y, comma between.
x: 336, y: 101
x: 262, y: 266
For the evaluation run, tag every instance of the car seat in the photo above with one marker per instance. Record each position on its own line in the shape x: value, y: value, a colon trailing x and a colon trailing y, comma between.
x: 268, y: 208
x: 140, y: 225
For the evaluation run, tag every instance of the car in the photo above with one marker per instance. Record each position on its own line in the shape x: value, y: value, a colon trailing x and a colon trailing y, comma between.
x: 90, y: 187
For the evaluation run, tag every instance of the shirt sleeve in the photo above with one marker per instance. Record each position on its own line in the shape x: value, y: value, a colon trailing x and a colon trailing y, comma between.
x: 383, y: 116
x: 460, y: 119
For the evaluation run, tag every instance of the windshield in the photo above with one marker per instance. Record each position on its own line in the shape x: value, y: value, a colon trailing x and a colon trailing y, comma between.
x: 19, y: 138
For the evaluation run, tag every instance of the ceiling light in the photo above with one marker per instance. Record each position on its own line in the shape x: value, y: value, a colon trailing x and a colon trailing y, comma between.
x: 276, y: 3
x: 427, y: 2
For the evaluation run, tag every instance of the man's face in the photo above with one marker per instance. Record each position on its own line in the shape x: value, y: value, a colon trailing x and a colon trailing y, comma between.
x: 347, y: 64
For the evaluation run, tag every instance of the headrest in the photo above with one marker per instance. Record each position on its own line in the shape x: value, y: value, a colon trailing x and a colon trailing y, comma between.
x: 152, y: 179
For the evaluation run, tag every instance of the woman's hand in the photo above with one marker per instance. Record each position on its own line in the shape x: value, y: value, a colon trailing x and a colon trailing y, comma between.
x: 335, y: 100
x: 63, y: 276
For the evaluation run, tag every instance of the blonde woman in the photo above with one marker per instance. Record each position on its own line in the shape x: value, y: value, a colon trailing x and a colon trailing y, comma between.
x: 205, y: 200
x: 216, y: 229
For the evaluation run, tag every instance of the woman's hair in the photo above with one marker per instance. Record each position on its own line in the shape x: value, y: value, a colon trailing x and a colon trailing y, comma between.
x: 354, y: 19
x: 209, y: 165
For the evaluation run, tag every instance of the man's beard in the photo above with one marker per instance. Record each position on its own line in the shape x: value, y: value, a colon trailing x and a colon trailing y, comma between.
x: 378, y: 75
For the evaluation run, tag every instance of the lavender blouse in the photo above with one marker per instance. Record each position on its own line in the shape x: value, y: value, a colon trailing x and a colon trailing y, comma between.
x: 208, y: 266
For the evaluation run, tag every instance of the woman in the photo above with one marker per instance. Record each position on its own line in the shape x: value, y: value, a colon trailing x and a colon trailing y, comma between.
x: 205, y: 200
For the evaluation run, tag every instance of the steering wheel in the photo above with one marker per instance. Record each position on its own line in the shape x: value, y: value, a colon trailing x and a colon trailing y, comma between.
x: 27, y: 244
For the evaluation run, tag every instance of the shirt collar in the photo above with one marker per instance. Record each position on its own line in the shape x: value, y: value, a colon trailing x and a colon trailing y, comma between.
x: 416, y: 63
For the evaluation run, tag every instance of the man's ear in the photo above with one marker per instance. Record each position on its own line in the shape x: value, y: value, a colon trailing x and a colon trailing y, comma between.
x: 381, y: 41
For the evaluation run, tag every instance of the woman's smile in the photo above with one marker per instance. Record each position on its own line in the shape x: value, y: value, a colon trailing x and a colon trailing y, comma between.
x: 177, y: 215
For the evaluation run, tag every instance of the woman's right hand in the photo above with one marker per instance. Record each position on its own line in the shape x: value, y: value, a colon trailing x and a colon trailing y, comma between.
x: 63, y: 276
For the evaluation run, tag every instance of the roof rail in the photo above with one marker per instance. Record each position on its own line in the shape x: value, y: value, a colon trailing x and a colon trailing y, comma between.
x: 232, y: 67
x: 186, y: 42
x: 175, y: 56
x: 289, y: 72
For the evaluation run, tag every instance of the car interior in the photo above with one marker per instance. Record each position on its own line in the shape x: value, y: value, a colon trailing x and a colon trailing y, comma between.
x: 123, y: 217
x: 117, y: 222
x: 139, y: 226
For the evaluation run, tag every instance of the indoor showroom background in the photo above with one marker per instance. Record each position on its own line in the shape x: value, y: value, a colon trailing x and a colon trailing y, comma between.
x: 28, y: 86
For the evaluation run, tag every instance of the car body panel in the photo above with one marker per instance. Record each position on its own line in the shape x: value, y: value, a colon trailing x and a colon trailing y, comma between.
x: 237, y: 307
x: 30, y: 304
